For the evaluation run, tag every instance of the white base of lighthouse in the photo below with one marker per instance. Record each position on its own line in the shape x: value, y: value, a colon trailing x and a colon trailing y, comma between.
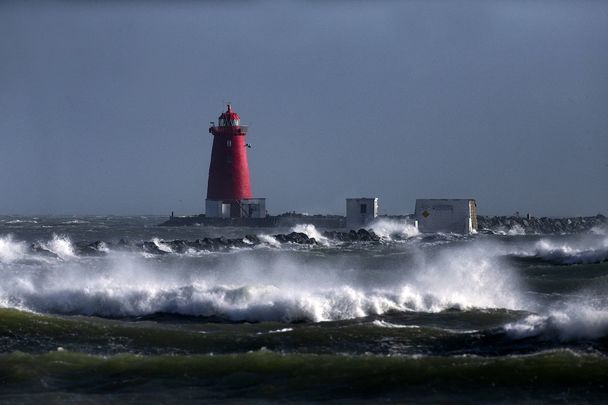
x: 246, y: 208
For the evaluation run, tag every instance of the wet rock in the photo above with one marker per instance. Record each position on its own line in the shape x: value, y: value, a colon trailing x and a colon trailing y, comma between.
x: 295, y: 237
x: 42, y: 251
x: 90, y: 249
x: 543, y: 225
x: 364, y: 235
x: 151, y: 247
x: 179, y: 246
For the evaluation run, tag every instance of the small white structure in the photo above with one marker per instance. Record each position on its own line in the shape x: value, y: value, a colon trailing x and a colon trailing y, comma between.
x: 217, y: 209
x: 247, y: 208
x: 446, y: 215
x: 360, y: 211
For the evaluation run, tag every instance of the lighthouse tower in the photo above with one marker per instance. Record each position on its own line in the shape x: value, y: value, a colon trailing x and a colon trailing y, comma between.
x: 228, y: 187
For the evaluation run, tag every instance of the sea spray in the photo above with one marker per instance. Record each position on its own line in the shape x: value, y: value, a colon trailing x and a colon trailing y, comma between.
x: 568, y: 321
x: 60, y: 245
x: 312, y: 232
x: 11, y: 250
x: 389, y: 229
x: 565, y: 250
x: 264, y: 287
x: 428, y: 318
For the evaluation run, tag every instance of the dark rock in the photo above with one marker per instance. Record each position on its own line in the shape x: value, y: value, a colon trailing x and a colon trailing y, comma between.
x: 90, y: 249
x: 39, y: 249
x: 364, y: 235
x: 150, y: 247
x: 123, y: 243
x: 179, y: 246
x: 543, y: 225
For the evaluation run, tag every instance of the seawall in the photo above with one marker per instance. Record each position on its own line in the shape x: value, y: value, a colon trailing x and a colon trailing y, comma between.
x: 540, y: 225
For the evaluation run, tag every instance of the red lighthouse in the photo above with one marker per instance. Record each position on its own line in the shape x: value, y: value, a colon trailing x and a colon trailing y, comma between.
x: 228, y: 187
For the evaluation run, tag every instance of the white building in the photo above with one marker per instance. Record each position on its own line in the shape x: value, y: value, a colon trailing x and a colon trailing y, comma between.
x: 360, y: 211
x: 446, y: 215
x: 246, y: 208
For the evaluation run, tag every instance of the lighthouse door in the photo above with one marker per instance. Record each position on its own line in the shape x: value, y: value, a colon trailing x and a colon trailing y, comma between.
x: 225, y: 210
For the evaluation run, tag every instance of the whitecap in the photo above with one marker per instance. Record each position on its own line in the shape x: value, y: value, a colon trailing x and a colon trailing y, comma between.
x: 389, y: 229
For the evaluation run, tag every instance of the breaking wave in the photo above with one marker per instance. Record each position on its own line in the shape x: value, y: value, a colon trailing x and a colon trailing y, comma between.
x: 312, y: 232
x: 59, y: 247
x: 21, y: 221
x: 269, y: 240
x: 11, y: 250
x: 254, y: 288
x: 572, y: 321
x: 283, y: 285
x: 583, y: 249
x: 389, y: 229
x: 389, y: 325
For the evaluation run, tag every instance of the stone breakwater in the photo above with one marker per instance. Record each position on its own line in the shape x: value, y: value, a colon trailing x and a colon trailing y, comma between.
x: 300, y: 238
x: 486, y: 224
x: 161, y: 247
x: 540, y: 225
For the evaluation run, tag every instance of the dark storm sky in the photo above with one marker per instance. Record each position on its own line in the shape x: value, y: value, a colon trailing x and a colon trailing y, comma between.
x: 104, y: 106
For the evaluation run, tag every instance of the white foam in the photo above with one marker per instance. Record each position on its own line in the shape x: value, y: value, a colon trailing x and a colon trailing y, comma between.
x: 388, y: 229
x: 269, y: 240
x: 312, y: 232
x: 573, y: 321
x: 572, y: 251
x: 61, y: 246
x: 600, y: 230
x: 463, y: 278
x: 11, y: 250
x: 163, y: 247
x: 516, y: 230
x: 75, y: 222
x: 564, y: 249
x: 103, y: 247
x: 21, y: 221
x: 283, y: 330
x: 384, y: 324
x: 246, y: 287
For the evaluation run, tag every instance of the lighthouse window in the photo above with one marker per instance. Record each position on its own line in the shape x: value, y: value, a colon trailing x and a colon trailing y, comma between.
x: 363, y: 209
x: 228, y: 143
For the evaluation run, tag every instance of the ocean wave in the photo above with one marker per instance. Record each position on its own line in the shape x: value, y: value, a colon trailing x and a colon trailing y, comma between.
x: 252, y: 303
x: 312, y: 232
x: 391, y: 229
x: 11, y: 250
x: 251, y: 288
x: 389, y: 325
x: 583, y: 249
x: 60, y: 245
x: 21, y: 221
x: 550, y: 376
x: 75, y: 222
x: 269, y: 240
x: 572, y: 321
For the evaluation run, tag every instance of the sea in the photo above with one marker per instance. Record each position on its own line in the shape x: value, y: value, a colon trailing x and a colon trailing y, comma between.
x: 498, y: 316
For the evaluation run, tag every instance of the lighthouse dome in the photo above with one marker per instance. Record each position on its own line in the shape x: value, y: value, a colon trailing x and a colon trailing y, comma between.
x: 229, y: 118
